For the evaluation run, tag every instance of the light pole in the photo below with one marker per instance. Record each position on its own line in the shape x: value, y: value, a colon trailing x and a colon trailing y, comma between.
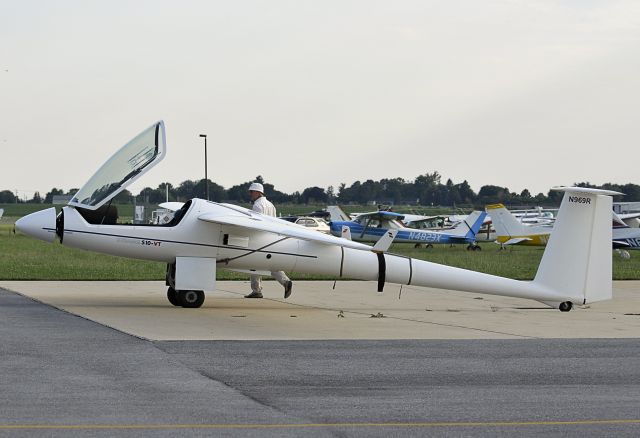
x: 206, y: 179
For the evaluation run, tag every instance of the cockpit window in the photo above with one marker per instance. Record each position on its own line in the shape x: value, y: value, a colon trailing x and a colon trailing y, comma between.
x: 124, y: 167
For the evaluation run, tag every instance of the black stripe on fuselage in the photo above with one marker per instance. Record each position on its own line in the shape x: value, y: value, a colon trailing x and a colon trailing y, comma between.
x: 382, y: 271
x: 187, y: 243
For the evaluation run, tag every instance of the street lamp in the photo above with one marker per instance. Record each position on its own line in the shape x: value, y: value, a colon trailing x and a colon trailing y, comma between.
x: 206, y: 179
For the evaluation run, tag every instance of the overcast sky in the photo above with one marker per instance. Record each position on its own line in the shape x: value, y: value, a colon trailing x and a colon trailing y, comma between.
x: 522, y: 94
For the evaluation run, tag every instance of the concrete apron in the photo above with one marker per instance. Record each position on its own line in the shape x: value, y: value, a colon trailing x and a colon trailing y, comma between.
x: 353, y: 310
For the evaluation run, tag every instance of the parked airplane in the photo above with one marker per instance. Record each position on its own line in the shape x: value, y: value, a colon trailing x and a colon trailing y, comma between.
x: 510, y: 231
x: 433, y: 222
x: 368, y: 227
x: 534, y: 216
x: 437, y: 222
x: 204, y: 236
x: 624, y: 236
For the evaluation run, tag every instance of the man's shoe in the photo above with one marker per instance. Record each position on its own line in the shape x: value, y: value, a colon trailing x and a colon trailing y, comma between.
x: 287, y: 288
x: 254, y: 295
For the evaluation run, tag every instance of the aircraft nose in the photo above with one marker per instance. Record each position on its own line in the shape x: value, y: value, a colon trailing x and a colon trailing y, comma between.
x: 41, y: 224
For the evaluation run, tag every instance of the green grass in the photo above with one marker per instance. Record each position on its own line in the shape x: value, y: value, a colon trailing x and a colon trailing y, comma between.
x: 19, y: 210
x: 25, y: 258
x: 519, y: 263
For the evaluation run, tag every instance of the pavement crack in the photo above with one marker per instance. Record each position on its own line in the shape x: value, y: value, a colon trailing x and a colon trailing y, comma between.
x: 244, y: 393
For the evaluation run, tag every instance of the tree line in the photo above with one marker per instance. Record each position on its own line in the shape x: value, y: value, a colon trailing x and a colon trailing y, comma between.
x: 424, y: 190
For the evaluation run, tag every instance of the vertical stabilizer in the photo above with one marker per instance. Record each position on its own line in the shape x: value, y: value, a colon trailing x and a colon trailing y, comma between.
x: 337, y: 214
x: 577, y: 260
x: 470, y: 226
x: 505, y: 224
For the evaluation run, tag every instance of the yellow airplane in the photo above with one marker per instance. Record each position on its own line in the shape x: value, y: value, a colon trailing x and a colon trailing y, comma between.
x: 510, y: 231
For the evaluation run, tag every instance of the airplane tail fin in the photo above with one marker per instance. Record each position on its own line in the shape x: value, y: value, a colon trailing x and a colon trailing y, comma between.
x: 577, y: 260
x: 337, y: 214
x: 505, y: 224
x: 470, y: 226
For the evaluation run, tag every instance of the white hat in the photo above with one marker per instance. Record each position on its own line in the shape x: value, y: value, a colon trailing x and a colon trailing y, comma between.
x: 256, y: 187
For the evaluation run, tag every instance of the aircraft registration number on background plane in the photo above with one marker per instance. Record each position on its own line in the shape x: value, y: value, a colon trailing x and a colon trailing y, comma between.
x: 145, y: 242
x: 427, y: 237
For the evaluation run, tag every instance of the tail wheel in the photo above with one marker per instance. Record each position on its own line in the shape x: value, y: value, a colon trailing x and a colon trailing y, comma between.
x: 172, y: 296
x: 190, y: 298
x: 565, y: 306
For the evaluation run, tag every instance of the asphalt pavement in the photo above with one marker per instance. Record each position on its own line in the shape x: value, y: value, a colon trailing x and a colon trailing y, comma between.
x: 65, y: 375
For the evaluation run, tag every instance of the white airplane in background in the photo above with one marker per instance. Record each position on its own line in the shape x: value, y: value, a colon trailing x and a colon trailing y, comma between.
x: 410, y: 220
x: 625, y: 236
x: 534, y: 216
x: 1, y: 212
x: 369, y: 227
x: 629, y: 219
x: 436, y: 222
x: 204, y: 236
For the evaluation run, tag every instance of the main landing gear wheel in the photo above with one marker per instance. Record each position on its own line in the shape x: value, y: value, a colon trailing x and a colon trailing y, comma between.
x: 185, y: 298
x: 474, y: 247
x: 190, y: 298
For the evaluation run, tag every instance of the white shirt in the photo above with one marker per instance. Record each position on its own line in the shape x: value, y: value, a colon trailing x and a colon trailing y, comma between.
x: 262, y: 205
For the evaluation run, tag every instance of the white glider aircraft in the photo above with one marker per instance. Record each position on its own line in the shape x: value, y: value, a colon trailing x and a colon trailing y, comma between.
x: 204, y: 236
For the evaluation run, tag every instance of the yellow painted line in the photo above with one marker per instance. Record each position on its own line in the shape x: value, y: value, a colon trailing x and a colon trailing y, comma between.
x: 318, y: 425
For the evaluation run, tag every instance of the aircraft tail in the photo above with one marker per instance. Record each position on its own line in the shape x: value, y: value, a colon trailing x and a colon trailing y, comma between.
x: 469, y: 227
x: 337, y: 214
x: 505, y: 224
x: 577, y: 260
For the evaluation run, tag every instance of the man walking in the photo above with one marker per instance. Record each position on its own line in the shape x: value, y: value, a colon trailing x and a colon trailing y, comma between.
x: 262, y: 205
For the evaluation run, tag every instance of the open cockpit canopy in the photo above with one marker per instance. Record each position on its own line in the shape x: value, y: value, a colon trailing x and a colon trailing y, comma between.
x: 127, y: 165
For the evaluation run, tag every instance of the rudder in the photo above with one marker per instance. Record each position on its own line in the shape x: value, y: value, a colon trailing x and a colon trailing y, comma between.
x: 577, y: 260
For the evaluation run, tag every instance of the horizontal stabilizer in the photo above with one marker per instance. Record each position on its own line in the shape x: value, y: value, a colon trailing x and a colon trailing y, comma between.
x: 514, y: 241
x: 383, y: 244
